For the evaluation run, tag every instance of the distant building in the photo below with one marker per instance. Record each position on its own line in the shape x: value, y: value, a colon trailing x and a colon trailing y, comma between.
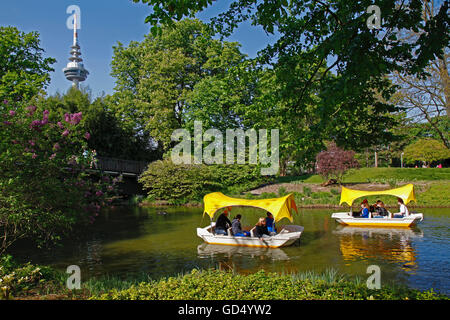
x: 75, y: 71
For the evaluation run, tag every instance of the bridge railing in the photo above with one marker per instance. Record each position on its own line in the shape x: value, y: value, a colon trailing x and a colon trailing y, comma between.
x: 121, y: 166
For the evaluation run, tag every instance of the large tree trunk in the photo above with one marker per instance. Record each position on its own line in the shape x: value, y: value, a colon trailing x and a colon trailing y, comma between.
x: 445, y: 79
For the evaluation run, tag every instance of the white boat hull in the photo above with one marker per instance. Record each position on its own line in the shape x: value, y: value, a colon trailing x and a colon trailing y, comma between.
x: 345, y: 218
x: 286, y: 237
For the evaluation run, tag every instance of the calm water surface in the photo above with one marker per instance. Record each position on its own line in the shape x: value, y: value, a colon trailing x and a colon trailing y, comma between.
x: 130, y: 240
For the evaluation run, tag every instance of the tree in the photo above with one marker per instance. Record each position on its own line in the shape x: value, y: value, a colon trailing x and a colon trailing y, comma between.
x: 334, y: 162
x: 336, y: 33
x: 343, y: 63
x: 24, y: 72
x: 267, y: 107
x: 427, y: 98
x: 427, y: 151
x: 159, y: 81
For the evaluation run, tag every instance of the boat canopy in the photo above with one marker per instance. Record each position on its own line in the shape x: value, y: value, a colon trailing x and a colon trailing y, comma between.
x: 406, y: 193
x: 279, y: 207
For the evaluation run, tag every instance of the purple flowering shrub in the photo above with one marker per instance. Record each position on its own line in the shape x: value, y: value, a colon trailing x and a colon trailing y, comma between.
x: 334, y: 162
x: 47, y: 185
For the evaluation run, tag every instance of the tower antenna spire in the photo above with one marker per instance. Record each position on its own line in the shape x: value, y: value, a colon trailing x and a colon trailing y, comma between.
x: 75, y: 32
x: 75, y: 71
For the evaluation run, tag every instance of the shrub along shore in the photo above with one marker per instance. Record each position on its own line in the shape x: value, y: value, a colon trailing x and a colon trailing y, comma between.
x: 431, y: 187
x: 39, y: 283
x: 432, y: 194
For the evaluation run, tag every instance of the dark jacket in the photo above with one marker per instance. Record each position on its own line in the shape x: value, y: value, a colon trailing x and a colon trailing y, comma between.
x: 260, y: 230
x: 223, y: 222
x: 382, y: 211
x: 236, y: 226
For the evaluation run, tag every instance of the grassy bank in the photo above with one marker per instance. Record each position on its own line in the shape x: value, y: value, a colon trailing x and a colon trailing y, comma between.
x: 431, y: 187
x: 378, y: 175
x: 428, y: 194
x: 37, y: 282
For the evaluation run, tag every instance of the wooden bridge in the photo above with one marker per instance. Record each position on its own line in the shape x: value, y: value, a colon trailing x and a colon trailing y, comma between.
x: 129, y: 168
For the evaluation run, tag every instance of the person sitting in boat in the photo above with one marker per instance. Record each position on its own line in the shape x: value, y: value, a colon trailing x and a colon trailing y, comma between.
x: 359, y: 213
x: 380, y: 210
x: 237, y: 229
x: 223, y: 223
x: 261, y: 229
x: 270, y: 223
x: 365, y: 213
x: 403, y: 209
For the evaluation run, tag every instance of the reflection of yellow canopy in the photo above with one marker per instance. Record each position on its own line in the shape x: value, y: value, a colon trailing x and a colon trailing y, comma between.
x: 405, y: 192
x: 279, y: 207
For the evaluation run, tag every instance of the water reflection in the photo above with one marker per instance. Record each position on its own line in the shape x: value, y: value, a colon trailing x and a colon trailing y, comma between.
x: 211, y: 250
x: 94, y: 250
x: 132, y: 240
x: 389, y: 244
x: 243, y: 259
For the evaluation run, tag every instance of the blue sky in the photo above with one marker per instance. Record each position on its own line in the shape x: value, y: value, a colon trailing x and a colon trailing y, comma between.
x: 104, y: 23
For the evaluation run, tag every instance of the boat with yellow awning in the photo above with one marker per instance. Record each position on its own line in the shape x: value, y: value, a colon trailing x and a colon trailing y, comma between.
x: 279, y: 207
x: 348, y: 196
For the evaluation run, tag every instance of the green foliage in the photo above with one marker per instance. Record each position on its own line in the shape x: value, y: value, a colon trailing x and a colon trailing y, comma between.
x: 335, y: 191
x: 177, y: 183
x: 164, y: 180
x: 392, y: 176
x: 321, y: 195
x: 282, y: 191
x: 328, y: 63
x: 218, y: 285
x: 268, y: 195
x: 307, y: 191
x: 24, y: 72
x: 30, y: 280
x: 45, y: 185
x: 170, y: 79
x: 16, y: 279
x: 236, y: 178
x: 435, y: 195
x: 426, y: 150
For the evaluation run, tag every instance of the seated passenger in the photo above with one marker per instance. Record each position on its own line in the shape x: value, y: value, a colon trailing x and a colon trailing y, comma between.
x: 270, y: 223
x: 261, y: 229
x: 237, y: 229
x: 403, y: 209
x: 380, y: 209
x: 359, y: 213
x: 223, y: 223
x: 365, y: 210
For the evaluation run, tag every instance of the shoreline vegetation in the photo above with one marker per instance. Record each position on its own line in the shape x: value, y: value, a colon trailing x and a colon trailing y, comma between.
x: 31, y: 282
x: 431, y: 188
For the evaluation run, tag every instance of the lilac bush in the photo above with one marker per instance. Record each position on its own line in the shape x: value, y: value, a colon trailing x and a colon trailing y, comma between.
x: 46, y: 184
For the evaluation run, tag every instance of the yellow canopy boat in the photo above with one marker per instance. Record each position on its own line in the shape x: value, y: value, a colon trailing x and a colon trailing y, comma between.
x: 406, y: 193
x: 279, y: 207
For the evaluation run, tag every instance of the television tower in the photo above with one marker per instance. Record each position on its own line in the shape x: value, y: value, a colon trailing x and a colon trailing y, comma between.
x: 75, y: 71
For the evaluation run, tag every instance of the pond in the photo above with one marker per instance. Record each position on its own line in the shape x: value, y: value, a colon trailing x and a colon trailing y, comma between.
x: 134, y: 240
